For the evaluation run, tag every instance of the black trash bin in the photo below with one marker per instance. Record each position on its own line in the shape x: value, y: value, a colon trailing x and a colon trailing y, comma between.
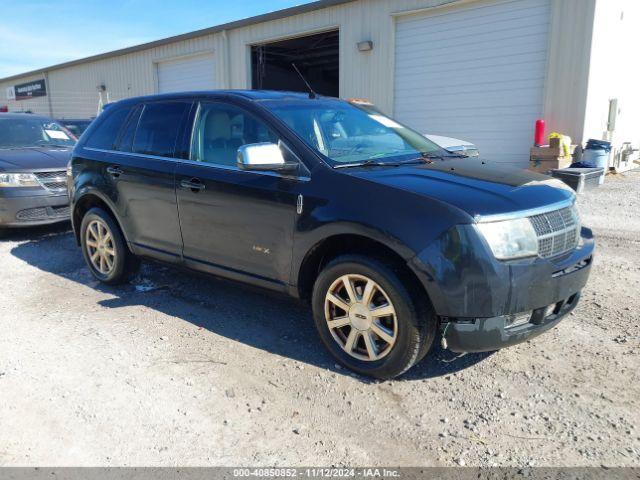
x: 580, y: 179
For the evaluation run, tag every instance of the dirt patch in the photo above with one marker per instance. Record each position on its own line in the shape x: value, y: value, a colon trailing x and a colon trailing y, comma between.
x: 177, y: 369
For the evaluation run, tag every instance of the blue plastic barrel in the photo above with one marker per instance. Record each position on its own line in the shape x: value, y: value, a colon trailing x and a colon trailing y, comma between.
x: 597, y: 153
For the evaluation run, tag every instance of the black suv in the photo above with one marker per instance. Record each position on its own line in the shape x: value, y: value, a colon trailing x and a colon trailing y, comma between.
x: 391, y: 238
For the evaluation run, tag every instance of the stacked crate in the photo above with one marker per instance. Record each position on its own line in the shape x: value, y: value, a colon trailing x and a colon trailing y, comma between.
x: 550, y: 157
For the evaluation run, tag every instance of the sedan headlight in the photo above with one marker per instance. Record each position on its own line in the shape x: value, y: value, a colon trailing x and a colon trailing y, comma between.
x: 18, y: 180
x: 511, y: 239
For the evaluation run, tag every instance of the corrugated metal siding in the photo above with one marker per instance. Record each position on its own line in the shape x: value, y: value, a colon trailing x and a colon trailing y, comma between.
x: 363, y: 75
x: 568, y: 68
x: 73, y: 90
x: 36, y: 105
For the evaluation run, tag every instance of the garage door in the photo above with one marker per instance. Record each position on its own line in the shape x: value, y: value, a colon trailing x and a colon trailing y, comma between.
x: 475, y: 73
x: 186, y: 74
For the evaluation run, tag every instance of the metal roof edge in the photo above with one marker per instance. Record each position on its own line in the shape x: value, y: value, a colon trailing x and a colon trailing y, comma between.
x: 265, y: 17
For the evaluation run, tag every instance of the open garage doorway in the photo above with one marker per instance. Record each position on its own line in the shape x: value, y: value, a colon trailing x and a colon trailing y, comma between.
x: 316, y: 56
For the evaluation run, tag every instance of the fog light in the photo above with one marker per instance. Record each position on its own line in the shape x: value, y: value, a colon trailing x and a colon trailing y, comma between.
x: 517, y: 319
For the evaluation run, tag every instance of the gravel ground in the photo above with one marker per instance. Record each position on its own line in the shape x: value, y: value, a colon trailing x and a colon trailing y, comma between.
x: 178, y: 369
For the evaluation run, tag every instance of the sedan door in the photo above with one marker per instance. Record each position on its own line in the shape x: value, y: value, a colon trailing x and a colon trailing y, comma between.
x: 234, y: 223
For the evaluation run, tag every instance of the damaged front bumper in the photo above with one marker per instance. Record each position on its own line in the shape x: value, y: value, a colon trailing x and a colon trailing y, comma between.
x: 488, y: 334
x: 484, y: 304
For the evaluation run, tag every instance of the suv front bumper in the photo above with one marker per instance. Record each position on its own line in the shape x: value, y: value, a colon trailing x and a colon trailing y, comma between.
x: 473, y: 294
x: 488, y: 334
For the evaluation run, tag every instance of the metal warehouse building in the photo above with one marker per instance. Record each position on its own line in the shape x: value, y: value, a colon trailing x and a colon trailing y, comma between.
x: 480, y: 70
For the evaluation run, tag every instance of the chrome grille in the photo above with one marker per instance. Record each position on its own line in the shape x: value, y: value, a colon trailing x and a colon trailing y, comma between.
x: 55, y: 182
x: 558, y: 231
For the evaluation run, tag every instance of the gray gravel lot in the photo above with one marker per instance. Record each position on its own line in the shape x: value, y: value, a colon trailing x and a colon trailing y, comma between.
x: 179, y: 369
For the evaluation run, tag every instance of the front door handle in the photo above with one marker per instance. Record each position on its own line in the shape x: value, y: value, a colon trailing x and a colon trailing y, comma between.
x: 195, y: 185
x: 114, y: 171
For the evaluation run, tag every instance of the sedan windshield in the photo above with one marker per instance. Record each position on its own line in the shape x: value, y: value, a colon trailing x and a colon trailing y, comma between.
x: 33, y: 132
x: 344, y: 133
x: 77, y: 127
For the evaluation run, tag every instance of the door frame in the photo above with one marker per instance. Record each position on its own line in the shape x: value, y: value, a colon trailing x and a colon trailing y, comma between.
x: 265, y: 40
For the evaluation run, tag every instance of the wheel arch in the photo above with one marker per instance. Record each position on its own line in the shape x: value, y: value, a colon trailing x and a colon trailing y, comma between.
x: 330, y: 247
x: 86, y: 202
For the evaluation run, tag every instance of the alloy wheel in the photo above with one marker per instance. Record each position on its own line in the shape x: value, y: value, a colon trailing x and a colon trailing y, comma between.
x: 100, y: 247
x: 361, y: 317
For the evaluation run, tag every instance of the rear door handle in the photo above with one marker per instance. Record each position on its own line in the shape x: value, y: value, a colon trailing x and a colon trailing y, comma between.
x: 195, y: 185
x: 114, y: 171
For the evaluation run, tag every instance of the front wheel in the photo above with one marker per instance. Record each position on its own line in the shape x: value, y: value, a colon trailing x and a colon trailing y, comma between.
x: 104, y: 248
x: 368, y: 319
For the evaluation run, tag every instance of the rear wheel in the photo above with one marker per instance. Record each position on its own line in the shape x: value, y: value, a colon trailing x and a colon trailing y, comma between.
x: 104, y: 248
x: 368, y: 319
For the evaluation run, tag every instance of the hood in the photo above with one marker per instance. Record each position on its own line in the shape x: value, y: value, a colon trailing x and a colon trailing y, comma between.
x: 446, y: 142
x: 30, y: 159
x: 478, y: 188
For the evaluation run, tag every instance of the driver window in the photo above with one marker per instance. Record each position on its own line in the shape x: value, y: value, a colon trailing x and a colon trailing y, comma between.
x: 221, y: 129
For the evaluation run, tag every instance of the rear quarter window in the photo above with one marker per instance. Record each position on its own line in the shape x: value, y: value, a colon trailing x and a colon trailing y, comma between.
x: 106, y: 133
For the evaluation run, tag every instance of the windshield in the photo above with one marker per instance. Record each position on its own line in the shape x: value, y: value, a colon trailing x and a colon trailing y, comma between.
x: 33, y: 132
x: 344, y: 133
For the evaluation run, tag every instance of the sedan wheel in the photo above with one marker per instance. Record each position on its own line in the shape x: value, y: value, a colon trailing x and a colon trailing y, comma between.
x: 361, y: 317
x: 100, y: 247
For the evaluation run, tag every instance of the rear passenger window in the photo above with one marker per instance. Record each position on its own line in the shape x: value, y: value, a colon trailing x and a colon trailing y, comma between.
x: 158, y: 128
x: 126, y: 140
x: 106, y: 133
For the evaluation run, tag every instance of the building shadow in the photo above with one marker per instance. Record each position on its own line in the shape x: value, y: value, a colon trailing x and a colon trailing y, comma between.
x: 262, y: 319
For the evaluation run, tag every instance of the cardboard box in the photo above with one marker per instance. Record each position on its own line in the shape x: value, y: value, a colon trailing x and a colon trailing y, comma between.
x: 551, y: 157
x: 546, y: 164
x: 553, y: 150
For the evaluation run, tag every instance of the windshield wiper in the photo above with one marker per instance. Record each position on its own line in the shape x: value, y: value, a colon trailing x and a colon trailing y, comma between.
x: 378, y: 163
x: 368, y: 163
x: 44, y: 145
x: 438, y: 156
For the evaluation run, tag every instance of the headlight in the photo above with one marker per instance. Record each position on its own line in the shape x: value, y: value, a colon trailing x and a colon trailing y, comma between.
x: 511, y: 239
x: 18, y: 180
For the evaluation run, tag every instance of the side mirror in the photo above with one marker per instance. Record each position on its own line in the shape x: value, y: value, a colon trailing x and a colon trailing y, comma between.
x: 264, y: 157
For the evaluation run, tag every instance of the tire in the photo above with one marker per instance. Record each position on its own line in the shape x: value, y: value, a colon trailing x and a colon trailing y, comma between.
x: 99, y: 231
x: 396, y: 341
